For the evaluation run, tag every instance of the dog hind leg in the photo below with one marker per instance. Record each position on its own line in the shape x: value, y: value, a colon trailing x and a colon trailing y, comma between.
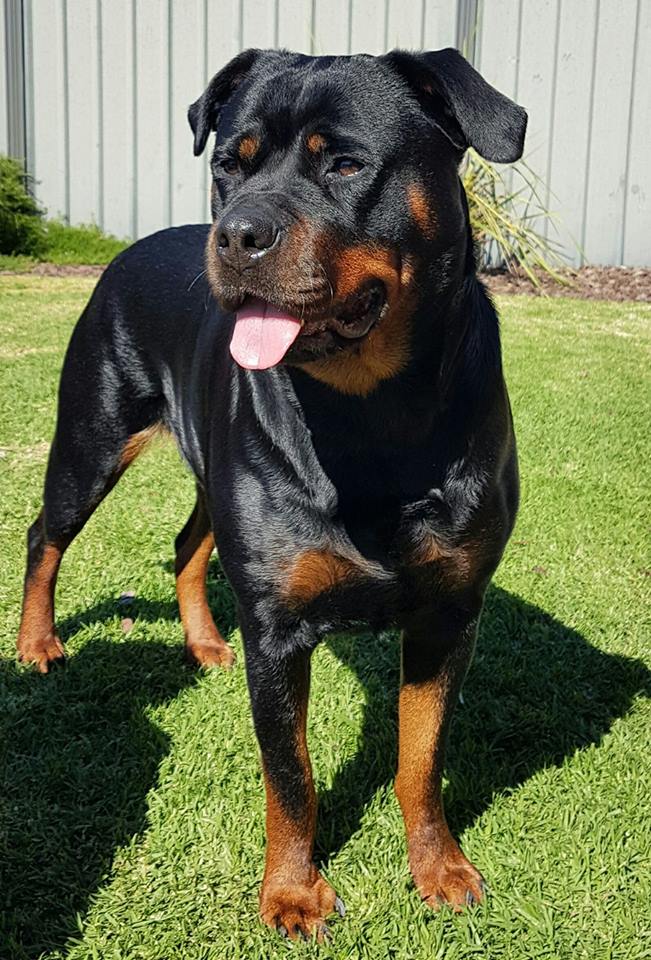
x: 204, y: 644
x: 86, y: 461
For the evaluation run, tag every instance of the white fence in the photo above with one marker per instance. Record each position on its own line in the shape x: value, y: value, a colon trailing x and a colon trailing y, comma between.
x: 106, y: 85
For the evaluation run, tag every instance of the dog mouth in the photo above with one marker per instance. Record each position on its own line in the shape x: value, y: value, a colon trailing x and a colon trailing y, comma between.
x: 266, y: 333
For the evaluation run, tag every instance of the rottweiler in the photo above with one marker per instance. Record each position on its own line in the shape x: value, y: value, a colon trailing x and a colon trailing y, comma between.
x: 329, y: 366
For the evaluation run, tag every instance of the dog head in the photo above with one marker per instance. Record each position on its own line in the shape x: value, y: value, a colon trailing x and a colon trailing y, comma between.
x: 336, y: 201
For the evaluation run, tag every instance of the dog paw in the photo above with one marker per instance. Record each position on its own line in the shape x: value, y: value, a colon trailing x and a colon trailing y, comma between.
x: 299, y: 911
x: 450, y: 879
x: 210, y: 652
x: 43, y: 653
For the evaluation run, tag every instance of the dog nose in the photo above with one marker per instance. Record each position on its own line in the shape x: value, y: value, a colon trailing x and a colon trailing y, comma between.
x: 246, y: 235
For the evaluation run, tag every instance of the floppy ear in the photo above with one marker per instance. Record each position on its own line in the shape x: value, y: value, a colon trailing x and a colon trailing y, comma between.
x: 203, y: 114
x: 468, y: 110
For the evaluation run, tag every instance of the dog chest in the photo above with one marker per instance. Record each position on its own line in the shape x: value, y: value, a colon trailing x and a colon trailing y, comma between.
x: 346, y: 585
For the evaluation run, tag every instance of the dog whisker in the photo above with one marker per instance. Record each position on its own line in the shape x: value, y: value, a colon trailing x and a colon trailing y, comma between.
x: 198, y: 277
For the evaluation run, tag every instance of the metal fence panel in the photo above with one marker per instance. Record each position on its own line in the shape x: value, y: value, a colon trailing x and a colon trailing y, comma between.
x: 4, y: 120
x: 636, y: 245
x: 107, y: 84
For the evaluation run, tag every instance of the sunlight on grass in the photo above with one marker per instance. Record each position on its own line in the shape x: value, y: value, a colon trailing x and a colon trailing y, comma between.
x: 131, y: 802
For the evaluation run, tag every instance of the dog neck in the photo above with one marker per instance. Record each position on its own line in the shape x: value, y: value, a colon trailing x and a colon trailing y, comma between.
x: 453, y: 368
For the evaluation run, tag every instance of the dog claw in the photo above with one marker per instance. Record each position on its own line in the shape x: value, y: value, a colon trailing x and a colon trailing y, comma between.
x: 340, y: 907
x: 470, y: 899
x: 282, y: 930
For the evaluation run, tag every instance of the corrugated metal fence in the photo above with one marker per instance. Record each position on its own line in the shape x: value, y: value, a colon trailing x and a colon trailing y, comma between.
x: 102, y: 88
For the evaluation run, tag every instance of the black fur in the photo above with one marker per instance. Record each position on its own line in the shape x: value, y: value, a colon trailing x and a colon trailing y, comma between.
x: 289, y: 463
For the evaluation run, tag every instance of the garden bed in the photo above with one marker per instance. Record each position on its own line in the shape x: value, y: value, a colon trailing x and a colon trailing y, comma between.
x: 586, y: 283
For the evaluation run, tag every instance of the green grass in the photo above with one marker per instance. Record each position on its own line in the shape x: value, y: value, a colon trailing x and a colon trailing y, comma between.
x: 63, y: 244
x: 131, y: 802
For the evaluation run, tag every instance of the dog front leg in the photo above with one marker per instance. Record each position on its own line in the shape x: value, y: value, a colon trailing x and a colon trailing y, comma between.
x: 295, y: 899
x: 436, y: 653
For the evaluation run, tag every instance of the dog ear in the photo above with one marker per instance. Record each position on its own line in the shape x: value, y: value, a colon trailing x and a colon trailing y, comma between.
x: 468, y: 110
x: 203, y: 114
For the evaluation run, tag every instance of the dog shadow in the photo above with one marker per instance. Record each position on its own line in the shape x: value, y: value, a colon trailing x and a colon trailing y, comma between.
x: 535, y: 693
x: 78, y: 758
x: 78, y: 754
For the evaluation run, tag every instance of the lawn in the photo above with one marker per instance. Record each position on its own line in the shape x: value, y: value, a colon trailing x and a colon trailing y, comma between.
x: 131, y: 801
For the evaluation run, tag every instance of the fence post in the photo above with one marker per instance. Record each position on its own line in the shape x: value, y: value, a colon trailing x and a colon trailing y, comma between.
x: 15, y: 66
x: 467, y: 16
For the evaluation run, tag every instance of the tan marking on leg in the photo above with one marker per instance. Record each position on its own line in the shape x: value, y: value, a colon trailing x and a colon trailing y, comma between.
x: 137, y: 443
x: 315, y: 572
x: 427, y: 549
x: 441, y: 871
x: 421, y: 712
x: 453, y: 566
x: 37, y: 640
x: 294, y: 895
x: 420, y: 209
x: 205, y: 645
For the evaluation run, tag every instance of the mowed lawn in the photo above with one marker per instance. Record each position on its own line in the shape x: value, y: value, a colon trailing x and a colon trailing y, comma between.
x: 131, y: 801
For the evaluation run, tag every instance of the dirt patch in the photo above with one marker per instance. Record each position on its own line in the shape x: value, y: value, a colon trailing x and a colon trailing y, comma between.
x: 19, y: 454
x: 586, y: 283
x: 15, y: 354
x: 64, y: 270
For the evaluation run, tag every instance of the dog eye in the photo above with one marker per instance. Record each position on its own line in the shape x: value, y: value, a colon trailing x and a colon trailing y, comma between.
x: 346, y: 166
x: 230, y: 166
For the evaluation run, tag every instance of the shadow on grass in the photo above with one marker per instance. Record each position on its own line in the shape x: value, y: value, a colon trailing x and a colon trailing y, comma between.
x: 536, y: 692
x: 78, y: 757
x: 78, y: 754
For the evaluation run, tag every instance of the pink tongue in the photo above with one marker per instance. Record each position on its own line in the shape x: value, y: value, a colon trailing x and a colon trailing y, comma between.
x: 263, y: 334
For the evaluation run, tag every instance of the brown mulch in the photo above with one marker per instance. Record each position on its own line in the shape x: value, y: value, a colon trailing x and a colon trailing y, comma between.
x: 64, y: 270
x: 586, y: 283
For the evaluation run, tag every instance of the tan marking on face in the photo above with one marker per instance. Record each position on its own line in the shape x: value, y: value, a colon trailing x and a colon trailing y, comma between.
x: 137, y: 443
x: 420, y: 209
x: 383, y: 352
x: 315, y: 572
x: 287, y: 270
x: 315, y: 142
x: 248, y: 148
x: 211, y: 260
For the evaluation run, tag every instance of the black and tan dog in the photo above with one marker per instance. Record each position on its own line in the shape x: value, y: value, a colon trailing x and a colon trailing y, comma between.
x: 334, y: 381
